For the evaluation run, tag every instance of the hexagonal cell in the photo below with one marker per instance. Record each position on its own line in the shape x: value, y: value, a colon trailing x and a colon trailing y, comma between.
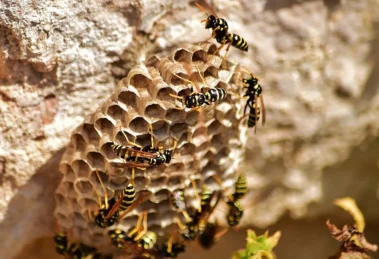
x: 199, y: 55
x: 175, y: 116
x: 175, y: 167
x: 211, y: 71
x: 79, y: 142
x: 227, y: 118
x: 178, y: 129
x: 139, y: 124
x: 176, y: 180
x: 212, y: 49
x: 164, y: 94
x: 161, y: 131
x: 90, y: 134
x: 214, y: 127
x: 141, y: 182
x: 202, y: 149
x: 128, y: 98
x: 182, y: 55
x: 161, y: 195
x: 95, y: 160
x: 187, y: 149
x: 108, y: 152
x: 155, y: 111
x: 158, y: 181
x: 105, y: 126
x: 78, y: 219
x: 97, y: 185
x: 140, y: 81
x: 83, y: 186
x: 116, y: 112
x: 192, y: 117
x: 81, y: 168
x: 217, y: 143
x: 200, y: 136
x: 67, y: 171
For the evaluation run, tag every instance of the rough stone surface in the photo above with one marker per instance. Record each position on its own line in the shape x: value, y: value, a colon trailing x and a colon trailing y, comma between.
x: 318, y: 64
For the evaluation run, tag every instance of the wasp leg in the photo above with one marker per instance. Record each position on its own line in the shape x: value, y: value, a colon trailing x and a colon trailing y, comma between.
x: 137, y: 227
x: 180, y: 224
x: 144, y: 230
x: 130, y: 143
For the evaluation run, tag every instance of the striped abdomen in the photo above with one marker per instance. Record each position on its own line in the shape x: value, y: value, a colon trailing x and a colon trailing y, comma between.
x: 206, y: 196
x: 61, y: 243
x: 237, y: 42
x: 195, y: 100
x: 123, y: 151
x: 240, y: 187
x: 100, y: 218
x: 129, y: 195
x: 252, y: 119
x: 235, y: 213
x: 148, y: 240
x: 214, y: 95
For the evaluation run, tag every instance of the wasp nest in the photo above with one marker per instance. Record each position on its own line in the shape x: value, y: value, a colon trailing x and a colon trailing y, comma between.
x: 209, y: 141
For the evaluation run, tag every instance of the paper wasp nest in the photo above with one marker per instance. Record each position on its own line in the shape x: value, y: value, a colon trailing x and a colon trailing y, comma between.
x: 210, y: 142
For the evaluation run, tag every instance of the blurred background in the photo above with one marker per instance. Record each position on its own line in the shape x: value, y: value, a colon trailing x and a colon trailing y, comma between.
x: 318, y: 65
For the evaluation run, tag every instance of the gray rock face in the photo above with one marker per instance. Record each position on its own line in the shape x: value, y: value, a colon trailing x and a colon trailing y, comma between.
x: 317, y: 61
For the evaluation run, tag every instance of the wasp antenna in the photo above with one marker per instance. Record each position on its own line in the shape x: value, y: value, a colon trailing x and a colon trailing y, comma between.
x: 201, y: 8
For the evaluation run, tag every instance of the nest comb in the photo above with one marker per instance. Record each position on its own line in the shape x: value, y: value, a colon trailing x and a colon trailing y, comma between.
x: 210, y: 141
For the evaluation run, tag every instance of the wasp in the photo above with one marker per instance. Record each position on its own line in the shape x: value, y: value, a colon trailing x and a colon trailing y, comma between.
x: 73, y: 250
x: 196, y: 100
x: 240, y: 188
x: 235, y: 213
x: 253, y: 92
x: 170, y: 249
x: 178, y: 202
x: 142, y: 238
x: 136, y: 156
x: 235, y: 208
x: 220, y: 28
x: 211, y: 234
x: 113, y: 210
x: 199, y: 220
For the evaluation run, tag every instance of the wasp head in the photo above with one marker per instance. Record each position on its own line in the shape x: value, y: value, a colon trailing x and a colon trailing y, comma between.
x: 168, y: 154
x: 211, y: 22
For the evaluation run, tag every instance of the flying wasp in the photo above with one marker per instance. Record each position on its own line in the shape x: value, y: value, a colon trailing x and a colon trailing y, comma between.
x: 220, y: 28
x: 113, y: 210
x: 196, y: 100
x: 253, y: 92
x: 136, y: 156
x: 139, y: 235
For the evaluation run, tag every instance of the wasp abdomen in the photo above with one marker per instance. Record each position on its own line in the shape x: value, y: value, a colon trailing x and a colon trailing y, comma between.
x: 238, y: 42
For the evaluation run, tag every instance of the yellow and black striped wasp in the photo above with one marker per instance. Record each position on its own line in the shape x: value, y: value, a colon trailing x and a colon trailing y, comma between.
x: 74, y: 250
x: 220, y: 28
x: 139, y: 235
x: 135, y: 156
x: 208, y: 202
x: 113, y: 209
x: 195, y: 100
x: 235, y: 208
x: 253, y: 92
